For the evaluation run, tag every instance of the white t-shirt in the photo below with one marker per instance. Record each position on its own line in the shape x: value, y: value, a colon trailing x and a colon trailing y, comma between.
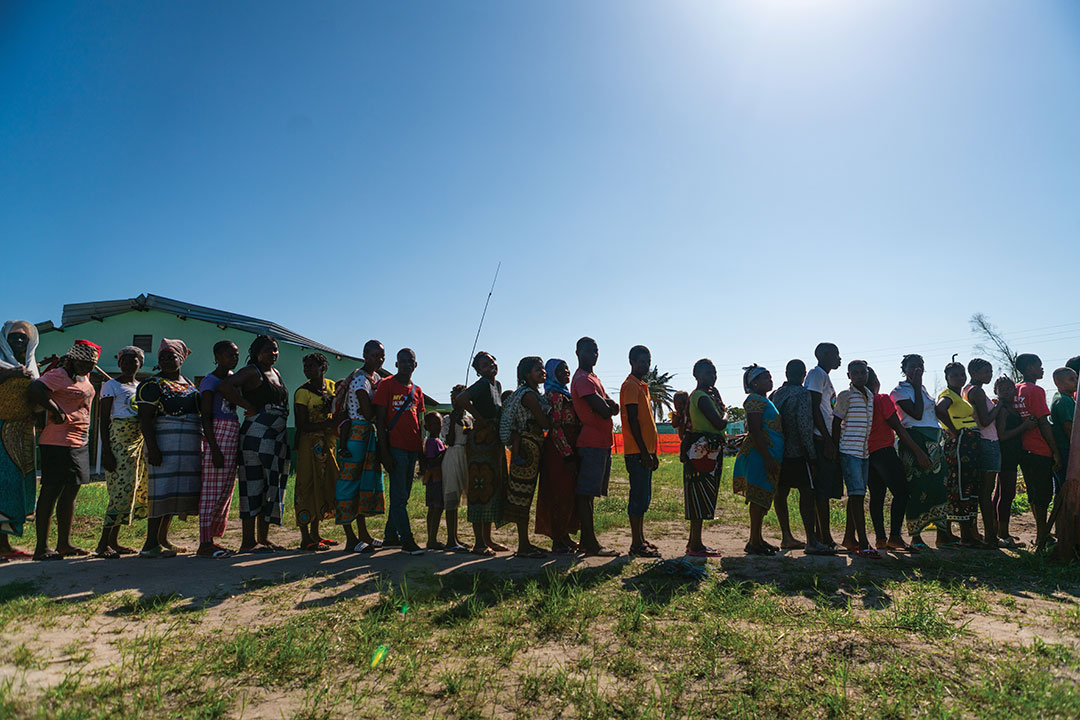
x: 904, y: 391
x: 362, y: 381
x: 122, y: 395
x: 459, y: 436
x: 817, y: 380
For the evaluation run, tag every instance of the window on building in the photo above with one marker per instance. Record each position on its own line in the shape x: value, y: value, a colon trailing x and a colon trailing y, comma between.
x: 144, y: 342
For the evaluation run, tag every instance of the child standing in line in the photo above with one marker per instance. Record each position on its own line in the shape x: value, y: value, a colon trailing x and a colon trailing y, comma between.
x: 434, y: 450
x: 455, y: 468
x: 852, y: 418
x: 1011, y: 428
x: 680, y: 419
x: 1039, y: 458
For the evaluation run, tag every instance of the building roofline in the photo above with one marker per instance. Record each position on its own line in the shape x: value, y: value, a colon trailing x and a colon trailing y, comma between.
x: 79, y: 313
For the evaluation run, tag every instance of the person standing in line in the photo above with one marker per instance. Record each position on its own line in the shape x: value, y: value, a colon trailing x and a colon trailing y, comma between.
x: 962, y: 437
x: 704, y: 450
x: 18, y: 343
x: 886, y: 469
x: 431, y: 467
x: 852, y: 416
x: 122, y: 454
x: 796, y: 408
x: 360, y: 491
x: 595, y: 409
x: 316, y: 453
x: 926, y: 485
x: 639, y: 447
x: 1040, y: 457
x: 1011, y: 428
x: 1062, y: 408
x: 264, y: 443
x: 524, y: 418
x: 485, y: 452
x: 67, y: 395
x: 172, y: 433
x: 757, y: 466
x: 981, y: 372
x: 221, y: 438
x: 556, y: 514
x: 828, y: 481
x: 399, y: 407
x: 456, y: 427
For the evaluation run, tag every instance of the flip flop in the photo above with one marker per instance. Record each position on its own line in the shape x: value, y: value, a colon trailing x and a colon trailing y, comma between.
x: 759, y: 550
x: 74, y: 552
x: 376, y: 543
x: 823, y: 551
x: 457, y: 548
x: 314, y: 547
x: 534, y: 554
x: 217, y: 553
x: 329, y: 542
x: 49, y: 556
x: 486, y: 552
x: 602, y: 552
x: 15, y: 554
x: 362, y: 547
x: 256, y: 550
x: 705, y: 552
x: 107, y: 554
x: 868, y: 553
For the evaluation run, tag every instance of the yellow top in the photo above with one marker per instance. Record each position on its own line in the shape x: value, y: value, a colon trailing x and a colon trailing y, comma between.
x: 961, y: 412
x: 319, y: 406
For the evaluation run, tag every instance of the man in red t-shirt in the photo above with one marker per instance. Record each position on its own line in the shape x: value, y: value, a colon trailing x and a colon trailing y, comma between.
x: 399, y: 407
x: 1040, y: 456
x: 595, y: 409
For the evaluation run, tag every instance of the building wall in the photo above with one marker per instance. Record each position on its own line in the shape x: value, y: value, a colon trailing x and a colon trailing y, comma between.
x: 116, y: 331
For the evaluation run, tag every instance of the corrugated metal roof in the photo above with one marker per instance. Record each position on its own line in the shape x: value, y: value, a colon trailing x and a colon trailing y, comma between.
x: 78, y: 313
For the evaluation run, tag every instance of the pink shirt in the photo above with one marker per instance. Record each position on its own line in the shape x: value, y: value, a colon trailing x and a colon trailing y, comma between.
x: 74, y: 397
x: 596, y: 431
x: 988, y: 432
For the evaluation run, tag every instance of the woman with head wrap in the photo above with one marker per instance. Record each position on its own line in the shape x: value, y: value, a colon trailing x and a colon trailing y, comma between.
x: 168, y: 406
x: 121, y: 453
x: 757, y: 467
x: 66, y: 394
x: 18, y: 341
x: 555, y: 510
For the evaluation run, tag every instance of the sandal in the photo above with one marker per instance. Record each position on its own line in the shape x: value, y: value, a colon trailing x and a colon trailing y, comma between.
x: 328, y: 542
x: 562, y: 550
x: 313, y: 547
x: 759, y: 550
x: 107, y: 554
x: 50, y: 555
x: 483, y: 552
x: 602, y: 552
x: 868, y: 553
x: 644, y: 551
x: 705, y: 552
x: 256, y: 550
x: 16, y: 554
x: 216, y: 552
x: 157, y: 552
x: 74, y: 552
x: 531, y: 554
x: 457, y: 548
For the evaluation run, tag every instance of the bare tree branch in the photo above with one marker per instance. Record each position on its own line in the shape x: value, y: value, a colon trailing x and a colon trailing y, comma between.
x: 994, y: 344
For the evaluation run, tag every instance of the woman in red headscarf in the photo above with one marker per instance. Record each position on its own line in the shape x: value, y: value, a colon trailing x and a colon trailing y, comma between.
x: 66, y: 394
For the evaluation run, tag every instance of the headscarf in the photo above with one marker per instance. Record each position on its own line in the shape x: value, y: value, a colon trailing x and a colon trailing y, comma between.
x: 751, y: 373
x: 177, y: 346
x: 8, y: 361
x: 132, y: 350
x: 84, y: 350
x: 551, y: 384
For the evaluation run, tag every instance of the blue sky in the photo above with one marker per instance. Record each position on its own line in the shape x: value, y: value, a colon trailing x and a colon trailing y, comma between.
x: 733, y: 180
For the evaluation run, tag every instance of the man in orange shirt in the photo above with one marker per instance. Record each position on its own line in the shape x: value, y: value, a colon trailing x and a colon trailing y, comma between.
x: 639, y: 447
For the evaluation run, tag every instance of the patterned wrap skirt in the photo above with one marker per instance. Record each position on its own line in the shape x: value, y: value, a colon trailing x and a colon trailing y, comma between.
x: 174, y: 486
x: 17, y: 481
x: 701, y: 476
x: 264, y: 465
x: 926, y: 488
x: 316, y: 476
x: 128, y: 483
x: 218, y: 482
x: 524, y: 471
x: 487, y: 472
x: 964, y: 476
x: 360, y: 491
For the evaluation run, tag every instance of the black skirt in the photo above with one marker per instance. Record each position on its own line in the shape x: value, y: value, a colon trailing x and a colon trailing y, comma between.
x: 63, y: 465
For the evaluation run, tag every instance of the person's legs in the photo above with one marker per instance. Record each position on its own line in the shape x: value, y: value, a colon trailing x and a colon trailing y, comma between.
x: 434, y: 514
x: 152, y: 527
x: 1004, y: 494
x: 400, y: 489
x: 47, y: 498
x: 876, y: 486
x: 584, y: 505
x: 163, y: 533
x: 639, y: 499
x: 757, y: 514
x: 1038, y: 477
x: 595, y: 468
x: 452, y: 539
x: 787, y: 540
x: 694, y: 542
x: 480, y: 544
x: 826, y: 484
x: 986, y: 509
x: 247, y: 534
x: 806, y: 512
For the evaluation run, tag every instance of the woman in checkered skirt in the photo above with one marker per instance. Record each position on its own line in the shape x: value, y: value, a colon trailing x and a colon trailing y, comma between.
x: 264, y: 446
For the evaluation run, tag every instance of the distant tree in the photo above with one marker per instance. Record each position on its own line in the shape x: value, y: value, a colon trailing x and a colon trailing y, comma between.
x: 993, y: 343
x: 735, y: 414
x: 660, y: 392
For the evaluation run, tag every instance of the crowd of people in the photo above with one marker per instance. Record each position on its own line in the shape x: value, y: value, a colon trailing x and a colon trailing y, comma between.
x: 174, y: 449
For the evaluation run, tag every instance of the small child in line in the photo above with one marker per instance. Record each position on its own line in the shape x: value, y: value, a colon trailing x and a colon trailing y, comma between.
x: 434, y: 450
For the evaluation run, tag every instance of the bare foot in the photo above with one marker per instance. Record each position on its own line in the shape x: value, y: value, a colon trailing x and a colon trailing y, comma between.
x: 497, y: 547
x: 792, y: 544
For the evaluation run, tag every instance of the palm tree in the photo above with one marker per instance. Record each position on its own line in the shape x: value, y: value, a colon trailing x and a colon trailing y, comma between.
x: 660, y: 392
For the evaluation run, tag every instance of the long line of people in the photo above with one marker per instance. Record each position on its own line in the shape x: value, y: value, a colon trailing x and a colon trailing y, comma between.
x: 173, y: 449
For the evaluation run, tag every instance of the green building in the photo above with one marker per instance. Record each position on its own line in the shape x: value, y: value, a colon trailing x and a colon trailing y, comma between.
x: 144, y: 320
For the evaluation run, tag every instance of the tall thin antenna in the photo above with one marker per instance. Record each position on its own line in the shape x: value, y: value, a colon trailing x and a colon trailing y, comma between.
x: 477, y: 339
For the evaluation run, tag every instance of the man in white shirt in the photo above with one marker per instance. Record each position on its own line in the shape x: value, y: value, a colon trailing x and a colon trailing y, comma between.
x: 828, y: 482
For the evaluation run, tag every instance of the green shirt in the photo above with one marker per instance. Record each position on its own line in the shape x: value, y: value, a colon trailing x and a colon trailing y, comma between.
x: 698, y: 421
x: 1062, y: 408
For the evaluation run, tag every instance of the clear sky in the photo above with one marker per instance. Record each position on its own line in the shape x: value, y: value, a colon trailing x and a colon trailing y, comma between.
x: 737, y: 180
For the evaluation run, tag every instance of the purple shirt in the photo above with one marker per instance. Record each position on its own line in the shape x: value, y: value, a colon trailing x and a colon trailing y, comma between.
x: 223, y: 409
